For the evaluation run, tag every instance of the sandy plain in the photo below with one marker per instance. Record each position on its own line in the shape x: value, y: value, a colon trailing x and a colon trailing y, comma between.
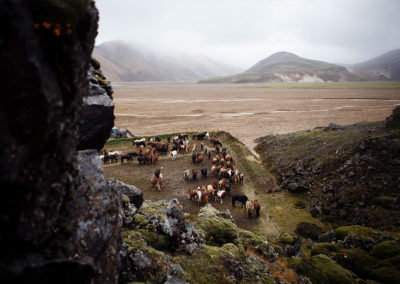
x: 246, y: 111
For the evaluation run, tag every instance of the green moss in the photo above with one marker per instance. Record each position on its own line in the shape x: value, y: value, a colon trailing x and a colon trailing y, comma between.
x: 386, y: 275
x: 217, y: 228
x: 250, y: 239
x: 326, y: 249
x: 363, y: 232
x: 321, y: 269
x: 95, y: 63
x: 101, y: 81
x: 386, y: 249
x: 286, y: 238
x: 202, y: 266
x: 142, y: 222
x: 157, y: 241
x: 391, y: 261
x: 125, y: 199
x: 333, y: 271
x: 360, y: 262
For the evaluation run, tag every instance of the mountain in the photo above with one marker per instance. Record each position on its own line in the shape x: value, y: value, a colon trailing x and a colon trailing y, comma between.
x: 125, y: 62
x: 384, y: 67
x: 288, y: 67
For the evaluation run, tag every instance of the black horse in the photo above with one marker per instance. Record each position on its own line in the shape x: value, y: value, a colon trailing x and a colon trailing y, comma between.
x: 199, y: 136
x: 240, y: 198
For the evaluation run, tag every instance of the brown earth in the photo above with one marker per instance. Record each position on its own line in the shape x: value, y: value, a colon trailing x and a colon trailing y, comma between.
x: 247, y: 113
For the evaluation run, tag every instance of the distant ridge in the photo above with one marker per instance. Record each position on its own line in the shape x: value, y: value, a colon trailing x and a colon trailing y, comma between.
x: 288, y: 67
x: 125, y: 62
x: 383, y: 67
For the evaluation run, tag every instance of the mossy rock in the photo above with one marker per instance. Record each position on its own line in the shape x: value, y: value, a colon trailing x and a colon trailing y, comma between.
x: 217, y: 228
x: 334, y: 272
x: 386, y: 275
x: 308, y: 230
x: 360, y: 262
x: 286, y: 238
x: 157, y: 241
x: 143, y: 222
x: 326, y: 249
x: 391, y: 261
x: 202, y: 266
x: 95, y: 63
x: 321, y: 269
x: 101, y: 81
x: 364, y: 232
x: 156, y: 209
x: 250, y: 239
x: 386, y: 249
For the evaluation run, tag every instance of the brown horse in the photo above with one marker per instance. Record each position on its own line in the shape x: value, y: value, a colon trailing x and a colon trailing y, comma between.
x: 211, y: 192
x: 155, y: 158
x: 257, y: 207
x: 192, y: 193
x: 156, y: 182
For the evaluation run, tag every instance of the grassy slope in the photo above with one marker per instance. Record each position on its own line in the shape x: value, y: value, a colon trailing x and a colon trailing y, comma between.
x: 282, y: 212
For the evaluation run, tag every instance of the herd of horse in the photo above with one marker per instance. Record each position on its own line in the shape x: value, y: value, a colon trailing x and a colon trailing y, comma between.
x: 221, y: 166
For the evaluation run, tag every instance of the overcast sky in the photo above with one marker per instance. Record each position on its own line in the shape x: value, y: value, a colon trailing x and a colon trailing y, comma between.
x: 242, y: 32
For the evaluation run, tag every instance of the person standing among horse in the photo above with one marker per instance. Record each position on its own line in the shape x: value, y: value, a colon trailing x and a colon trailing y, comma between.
x: 249, y: 208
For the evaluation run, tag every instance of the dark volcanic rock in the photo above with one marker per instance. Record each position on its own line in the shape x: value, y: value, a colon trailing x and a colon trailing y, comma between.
x: 60, y: 222
x: 97, y: 112
x: 183, y: 234
x: 95, y: 210
x: 308, y: 230
x: 135, y: 195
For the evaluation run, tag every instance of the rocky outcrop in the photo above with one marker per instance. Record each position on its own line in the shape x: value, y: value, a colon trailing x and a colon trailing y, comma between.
x: 350, y: 174
x: 97, y: 114
x: 60, y: 218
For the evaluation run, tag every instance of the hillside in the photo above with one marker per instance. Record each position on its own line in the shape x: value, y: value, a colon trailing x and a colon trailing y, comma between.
x: 125, y: 62
x: 288, y: 67
x: 350, y: 173
x: 384, y: 67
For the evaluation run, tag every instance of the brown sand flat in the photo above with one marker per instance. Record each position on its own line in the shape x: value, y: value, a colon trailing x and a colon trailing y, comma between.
x: 244, y: 111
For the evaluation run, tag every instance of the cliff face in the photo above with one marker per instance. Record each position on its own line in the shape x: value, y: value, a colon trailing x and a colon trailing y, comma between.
x: 60, y: 218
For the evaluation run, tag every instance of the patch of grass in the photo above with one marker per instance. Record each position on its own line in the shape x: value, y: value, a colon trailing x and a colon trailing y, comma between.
x: 352, y: 86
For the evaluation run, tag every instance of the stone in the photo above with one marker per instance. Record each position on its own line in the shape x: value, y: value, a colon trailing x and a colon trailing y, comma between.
x: 308, y: 230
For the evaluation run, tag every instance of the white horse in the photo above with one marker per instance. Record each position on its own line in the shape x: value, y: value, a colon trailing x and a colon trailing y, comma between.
x: 174, y: 153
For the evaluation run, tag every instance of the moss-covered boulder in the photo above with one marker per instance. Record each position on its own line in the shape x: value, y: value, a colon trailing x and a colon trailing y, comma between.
x: 326, y: 249
x: 386, y: 249
x: 389, y: 274
x: 286, y: 238
x: 308, y: 230
x: 364, y: 232
x: 360, y: 237
x: 250, y: 239
x: 225, y: 264
x: 360, y: 262
x: 145, y: 263
x: 217, y: 227
x: 321, y: 269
